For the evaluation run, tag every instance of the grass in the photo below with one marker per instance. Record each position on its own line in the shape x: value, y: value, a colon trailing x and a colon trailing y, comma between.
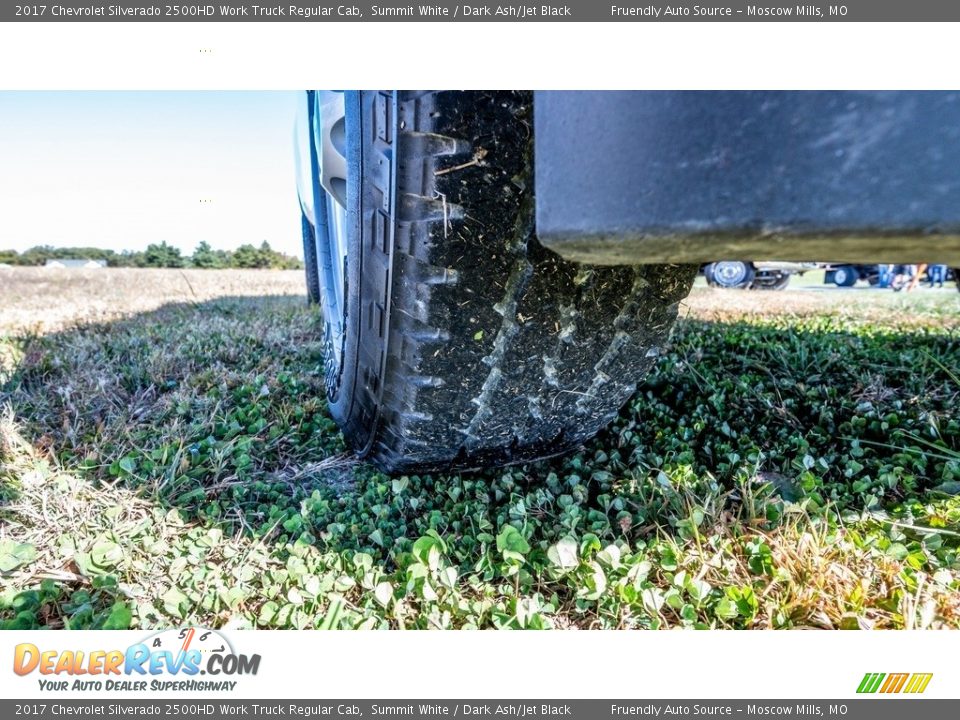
x: 792, y: 461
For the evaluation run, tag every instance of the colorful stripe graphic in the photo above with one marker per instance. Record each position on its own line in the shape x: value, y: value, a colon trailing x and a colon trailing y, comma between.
x: 894, y: 683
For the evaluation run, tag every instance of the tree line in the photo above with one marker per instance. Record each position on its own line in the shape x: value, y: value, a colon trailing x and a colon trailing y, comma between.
x: 161, y: 255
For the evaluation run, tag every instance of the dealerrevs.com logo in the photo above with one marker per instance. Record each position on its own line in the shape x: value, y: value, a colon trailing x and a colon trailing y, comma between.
x: 169, y: 660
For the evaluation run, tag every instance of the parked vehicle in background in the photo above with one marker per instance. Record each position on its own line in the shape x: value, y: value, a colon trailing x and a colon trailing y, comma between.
x: 880, y: 276
x: 753, y: 275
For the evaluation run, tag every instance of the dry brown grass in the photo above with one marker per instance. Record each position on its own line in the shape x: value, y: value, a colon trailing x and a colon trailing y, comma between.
x: 47, y: 299
x: 922, y: 307
x: 42, y: 300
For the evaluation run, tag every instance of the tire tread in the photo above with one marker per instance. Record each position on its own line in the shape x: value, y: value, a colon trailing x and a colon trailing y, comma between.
x: 498, y: 350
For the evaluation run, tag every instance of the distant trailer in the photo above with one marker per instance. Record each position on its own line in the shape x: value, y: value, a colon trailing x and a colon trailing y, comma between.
x: 75, y: 264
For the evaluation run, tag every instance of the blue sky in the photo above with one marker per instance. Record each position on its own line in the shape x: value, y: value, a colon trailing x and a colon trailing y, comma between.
x: 121, y: 170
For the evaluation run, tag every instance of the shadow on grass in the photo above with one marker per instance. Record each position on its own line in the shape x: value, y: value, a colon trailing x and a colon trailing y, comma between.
x: 215, y: 411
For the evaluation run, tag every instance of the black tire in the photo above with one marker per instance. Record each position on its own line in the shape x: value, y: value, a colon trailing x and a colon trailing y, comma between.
x: 845, y: 276
x: 310, y: 261
x: 708, y: 275
x: 466, y: 343
x: 956, y: 276
x: 722, y: 275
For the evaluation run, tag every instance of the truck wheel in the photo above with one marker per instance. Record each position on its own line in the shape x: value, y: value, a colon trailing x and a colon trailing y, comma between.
x: 956, y: 276
x: 729, y: 274
x: 462, y: 342
x: 845, y: 276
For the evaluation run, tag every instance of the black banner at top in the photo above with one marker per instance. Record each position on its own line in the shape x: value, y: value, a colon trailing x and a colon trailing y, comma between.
x: 481, y: 11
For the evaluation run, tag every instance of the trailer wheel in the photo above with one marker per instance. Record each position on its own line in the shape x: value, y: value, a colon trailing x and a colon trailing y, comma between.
x: 845, y: 276
x: 459, y: 341
x: 730, y: 274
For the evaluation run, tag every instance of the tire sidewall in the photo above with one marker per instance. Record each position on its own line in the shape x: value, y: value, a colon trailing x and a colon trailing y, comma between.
x: 310, y: 266
x: 340, y: 386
